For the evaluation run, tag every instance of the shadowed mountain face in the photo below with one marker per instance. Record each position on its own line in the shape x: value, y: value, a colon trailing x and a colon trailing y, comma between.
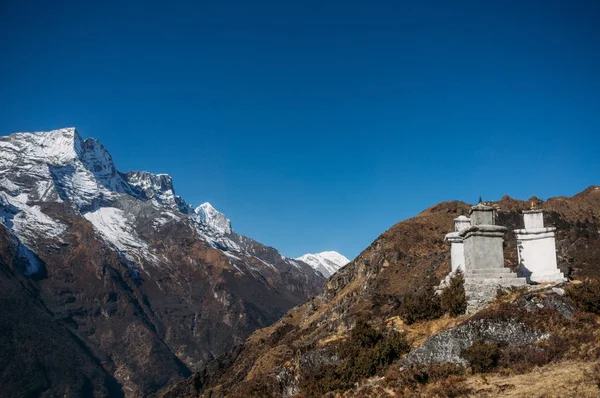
x: 410, y: 254
x: 114, y: 285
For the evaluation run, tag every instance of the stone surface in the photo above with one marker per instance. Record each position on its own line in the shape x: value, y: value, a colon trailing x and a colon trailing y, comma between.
x: 483, y: 246
x: 448, y: 345
x: 480, y: 291
x: 483, y: 215
x: 534, y: 301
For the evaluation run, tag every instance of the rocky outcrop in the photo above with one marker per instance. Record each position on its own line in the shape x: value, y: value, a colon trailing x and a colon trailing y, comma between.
x: 447, y: 346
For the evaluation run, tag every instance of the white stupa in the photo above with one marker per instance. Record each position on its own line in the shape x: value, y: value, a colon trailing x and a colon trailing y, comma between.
x: 537, y: 249
x: 457, y: 247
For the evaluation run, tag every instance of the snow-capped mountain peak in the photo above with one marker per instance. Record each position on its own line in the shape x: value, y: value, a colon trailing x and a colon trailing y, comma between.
x: 213, y: 218
x: 327, y: 262
x: 57, y: 147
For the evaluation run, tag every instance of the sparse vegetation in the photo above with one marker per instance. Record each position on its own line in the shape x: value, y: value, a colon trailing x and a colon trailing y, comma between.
x: 586, y: 295
x: 523, y: 359
x: 453, y: 298
x: 259, y: 387
x: 421, y: 305
x: 483, y: 357
x: 366, y: 352
x: 451, y: 387
x: 416, y: 377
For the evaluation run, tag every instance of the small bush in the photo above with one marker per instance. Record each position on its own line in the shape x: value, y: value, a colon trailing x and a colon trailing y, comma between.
x: 452, y: 387
x: 422, y: 305
x: 586, y: 295
x: 483, y: 357
x: 317, y: 381
x: 523, y: 359
x: 421, y: 375
x: 453, y: 298
x: 366, y: 352
x: 259, y: 387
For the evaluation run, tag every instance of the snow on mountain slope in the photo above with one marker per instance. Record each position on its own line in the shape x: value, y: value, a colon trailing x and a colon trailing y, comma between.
x: 327, y: 262
x: 114, y: 226
x: 213, y: 218
x: 59, y: 166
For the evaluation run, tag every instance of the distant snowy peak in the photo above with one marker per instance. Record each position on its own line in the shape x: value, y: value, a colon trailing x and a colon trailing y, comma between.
x: 327, y: 262
x: 213, y: 218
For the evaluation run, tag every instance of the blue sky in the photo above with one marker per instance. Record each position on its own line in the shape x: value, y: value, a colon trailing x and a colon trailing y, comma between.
x: 317, y: 125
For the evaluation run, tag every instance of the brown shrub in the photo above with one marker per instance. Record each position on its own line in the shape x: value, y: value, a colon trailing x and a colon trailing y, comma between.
x: 453, y: 298
x: 362, y: 336
x: 318, y: 380
x: 523, y: 359
x: 586, y: 295
x: 366, y: 352
x: 420, y: 375
x: 503, y: 312
x: 422, y: 305
x: 264, y: 386
x: 483, y: 357
x: 451, y: 387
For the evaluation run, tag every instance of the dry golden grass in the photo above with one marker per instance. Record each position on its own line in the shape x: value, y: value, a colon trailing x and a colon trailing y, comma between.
x: 560, y: 380
x: 276, y: 356
x: 419, y: 332
x: 333, y: 338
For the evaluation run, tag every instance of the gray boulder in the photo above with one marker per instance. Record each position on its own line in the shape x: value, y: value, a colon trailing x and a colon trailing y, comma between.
x: 448, y: 345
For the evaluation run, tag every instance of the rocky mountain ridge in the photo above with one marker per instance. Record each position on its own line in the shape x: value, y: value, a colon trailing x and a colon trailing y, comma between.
x: 149, y: 288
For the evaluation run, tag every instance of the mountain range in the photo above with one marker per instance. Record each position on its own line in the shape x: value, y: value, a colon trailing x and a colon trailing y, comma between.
x: 115, y: 284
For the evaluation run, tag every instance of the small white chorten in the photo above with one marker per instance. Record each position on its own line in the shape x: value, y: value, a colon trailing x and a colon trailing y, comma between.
x: 537, y: 249
x: 457, y: 247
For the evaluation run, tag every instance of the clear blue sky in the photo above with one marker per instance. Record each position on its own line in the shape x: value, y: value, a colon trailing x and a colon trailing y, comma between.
x: 316, y: 125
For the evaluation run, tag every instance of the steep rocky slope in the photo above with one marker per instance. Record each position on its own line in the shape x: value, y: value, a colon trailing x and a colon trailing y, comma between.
x: 409, y: 255
x: 131, y: 283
